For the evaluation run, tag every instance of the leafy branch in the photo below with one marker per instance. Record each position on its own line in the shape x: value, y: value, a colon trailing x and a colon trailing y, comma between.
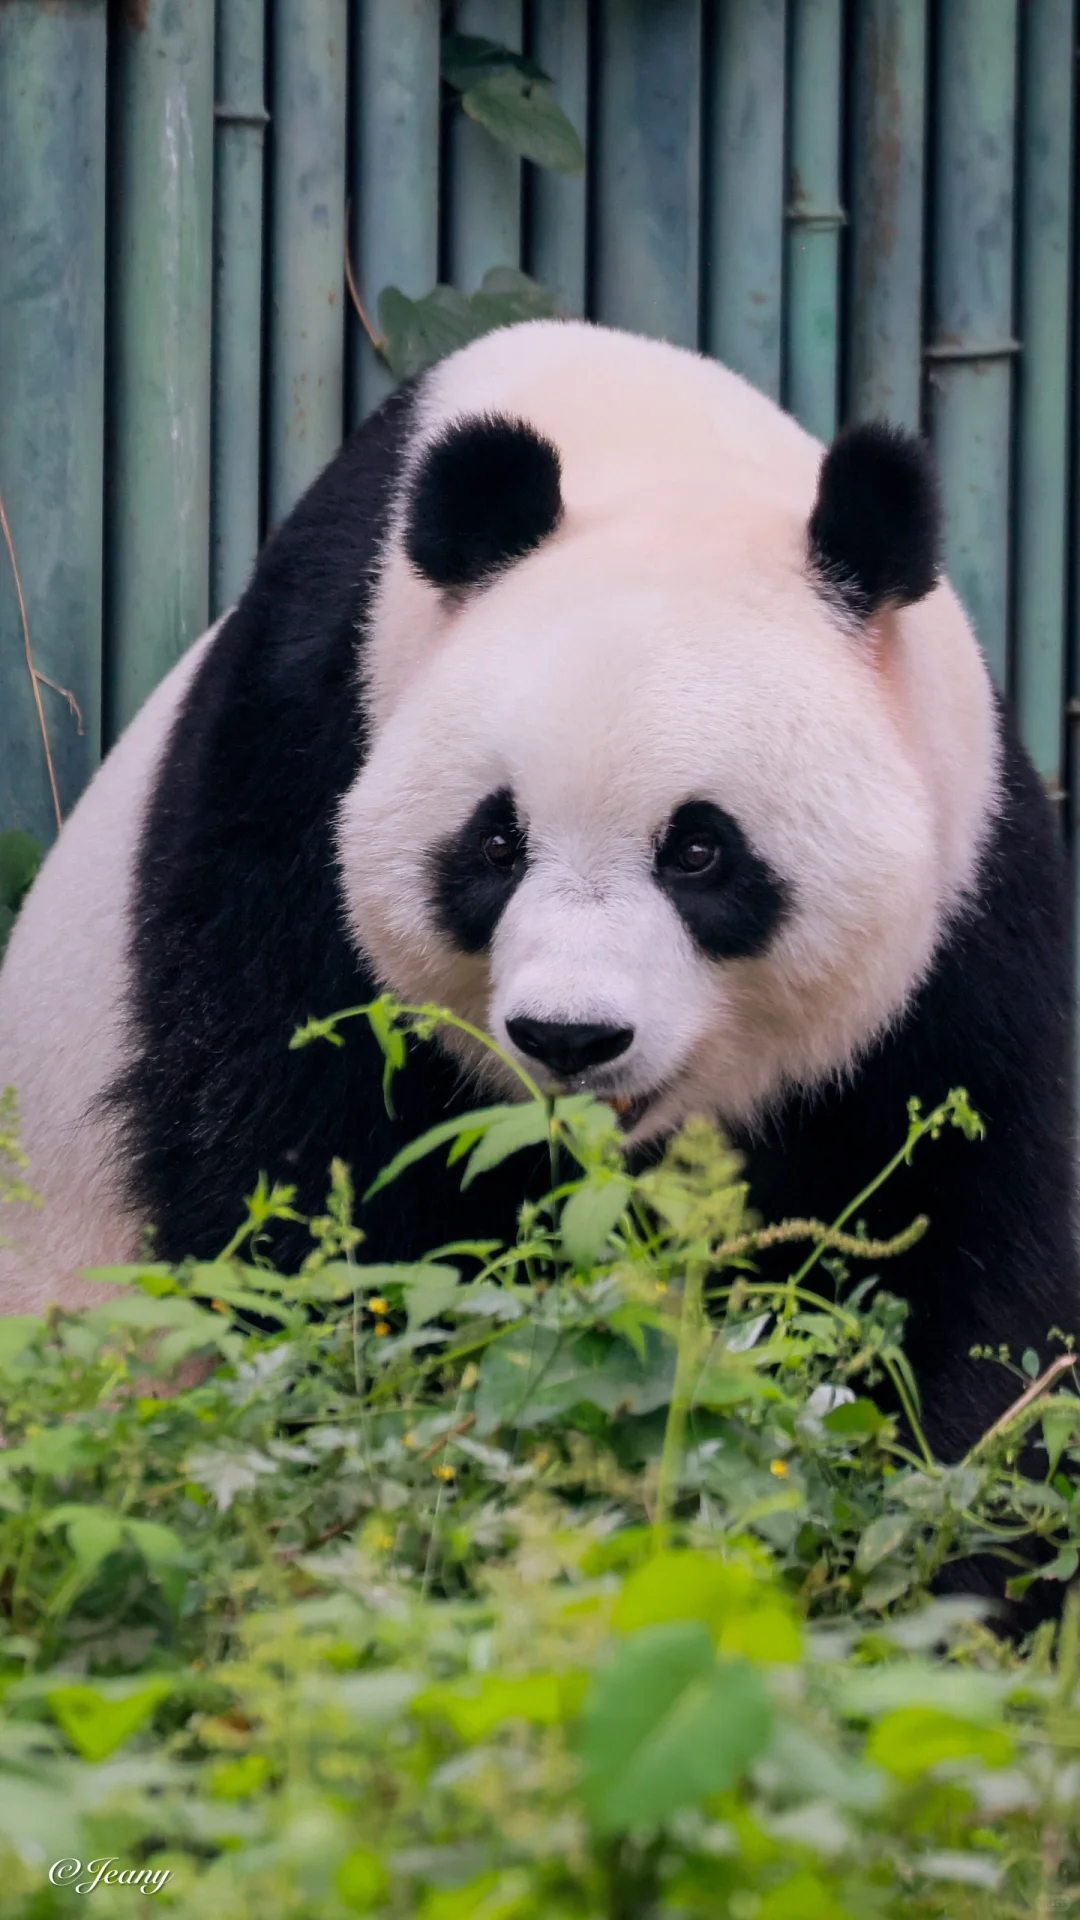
x: 510, y: 97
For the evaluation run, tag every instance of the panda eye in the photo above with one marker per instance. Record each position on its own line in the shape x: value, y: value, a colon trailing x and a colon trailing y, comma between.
x: 692, y: 854
x: 501, y: 849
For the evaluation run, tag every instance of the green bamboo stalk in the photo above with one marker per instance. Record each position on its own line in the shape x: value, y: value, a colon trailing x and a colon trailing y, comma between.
x: 1043, y: 395
x: 395, y: 171
x: 814, y: 215
x: 484, y: 197
x: 745, y: 221
x: 160, y: 254
x: 888, y: 140
x: 52, y: 330
x: 309, y: 64
x: 647, y: 166
x: 971, y: 348
x: 240, y: 117
x: 557, y: 206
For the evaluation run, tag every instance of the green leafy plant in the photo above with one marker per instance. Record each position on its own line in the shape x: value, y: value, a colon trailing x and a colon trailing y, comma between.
x: 582, y: 1576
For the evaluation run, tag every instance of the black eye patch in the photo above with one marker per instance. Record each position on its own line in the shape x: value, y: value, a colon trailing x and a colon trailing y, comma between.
x: 475, y: 873
x: 726, y: 894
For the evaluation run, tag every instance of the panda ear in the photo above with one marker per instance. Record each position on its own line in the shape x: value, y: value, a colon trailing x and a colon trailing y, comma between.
x: 874, y: 536
x: 486, y: 493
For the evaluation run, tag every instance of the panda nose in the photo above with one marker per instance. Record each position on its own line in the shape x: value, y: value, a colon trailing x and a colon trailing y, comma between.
x: 569, y: 1050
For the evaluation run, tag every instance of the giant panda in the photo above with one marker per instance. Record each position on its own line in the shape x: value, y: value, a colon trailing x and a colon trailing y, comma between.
x: 587, y: 694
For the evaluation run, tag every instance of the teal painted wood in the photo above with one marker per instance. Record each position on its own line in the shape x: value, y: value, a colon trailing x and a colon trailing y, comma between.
x: 1046, y: 122
x: 395, y: 171
x: 647, y: 167
x: 483, y: 228
x: 971, y: 339
x: 557, y: 206
x: 306, y: 347
x: 52, y: 329
x: 240, y: 118
x: 814, y: 215
x: 745, y: 192
x: 888, y: 126
x: 161, y: 114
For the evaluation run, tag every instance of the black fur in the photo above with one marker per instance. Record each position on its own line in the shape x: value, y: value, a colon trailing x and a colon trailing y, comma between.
x: 875, y: 531
x: 238, y: 922
x: 998, y: 1264
x: 469, y: 894
x: 487, y: 492
x: 735, y: 907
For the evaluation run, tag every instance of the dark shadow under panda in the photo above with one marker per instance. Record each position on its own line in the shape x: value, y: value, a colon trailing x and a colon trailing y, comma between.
x: 609, y: 714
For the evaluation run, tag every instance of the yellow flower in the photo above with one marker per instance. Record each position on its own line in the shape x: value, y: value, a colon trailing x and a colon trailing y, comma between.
x: 381, y: 1327
x: 378, y: 1305
x: 443, y: 1473
x: 779, y: 1467
x: 408, y: 1439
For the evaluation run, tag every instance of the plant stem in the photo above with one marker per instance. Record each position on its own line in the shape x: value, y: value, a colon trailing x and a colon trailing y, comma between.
x: 687, y: 1365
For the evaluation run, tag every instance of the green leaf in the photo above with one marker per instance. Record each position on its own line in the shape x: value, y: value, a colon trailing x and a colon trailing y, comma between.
x: 506, y: 297
x: 16, y: 1333
x: 475, y: 1709
x: 524, y: 115
x: 429, y: 1291
x: 7, y: 922
x: 591, y: 1215
x: 95, y: 1723
x: 881, y: 1538
x: 20, y: 858
x: 468, y: 58
x: 742, y: 1612
x: 1062, y: 1566
x: 912, y: 1739
x: 666, y: 1725
x: 855, y: 1419
x: 1030, y: 1363
x: 536, y: 1375
x: 93, y: 1533
x: 867, y: 1692
x: 436, y: 1137
x: 527, y: 1125
x: 361, y: 1881
x: 417, y: 333
x: 1059, y: 1423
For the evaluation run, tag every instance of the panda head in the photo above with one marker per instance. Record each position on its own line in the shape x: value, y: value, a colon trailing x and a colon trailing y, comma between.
x: 660, y: 787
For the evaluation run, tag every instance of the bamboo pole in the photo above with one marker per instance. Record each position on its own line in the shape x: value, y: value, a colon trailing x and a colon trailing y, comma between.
x: 972, y: 347
x: 1042, y: 465
x: 160, y: 251
x: 395, y: 171
x: 888, y: 151
x: 240, y: 118
x: 52, y: 329
x: 647, y: 167
x: 306, y: 344
x: 814, y: 215
x: 557, y: 208
x: 745, y: 193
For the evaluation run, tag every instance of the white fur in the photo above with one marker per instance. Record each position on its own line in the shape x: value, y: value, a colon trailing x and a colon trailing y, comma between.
x: 666, y: 644
x: 61, y: 1033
